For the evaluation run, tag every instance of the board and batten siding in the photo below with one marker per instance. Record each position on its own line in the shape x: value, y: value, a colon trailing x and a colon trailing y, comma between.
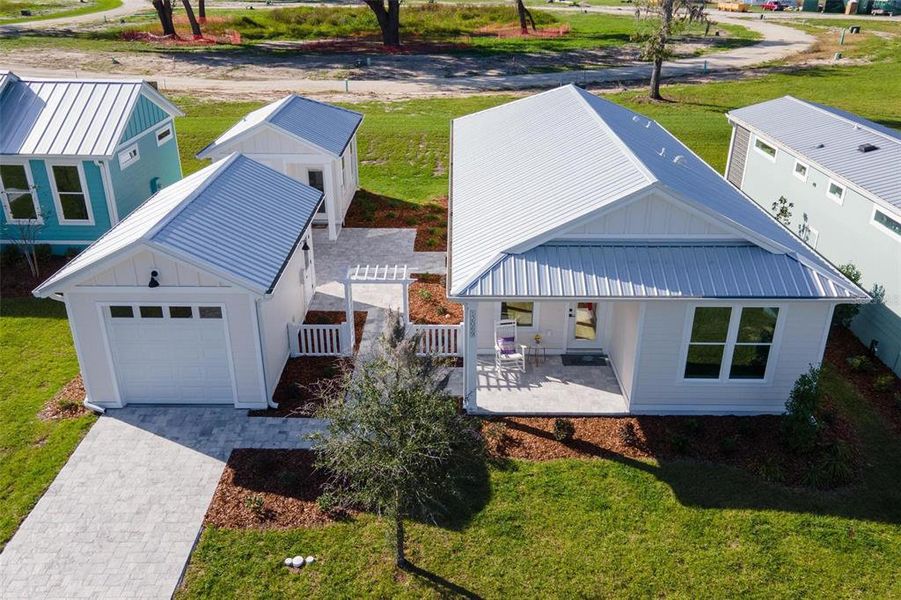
x: 660, y: 388
x: 145, y: 114
x: 158, y: 166
x: 741, y: 138
x: 134, y: 271
x: 625, y: 321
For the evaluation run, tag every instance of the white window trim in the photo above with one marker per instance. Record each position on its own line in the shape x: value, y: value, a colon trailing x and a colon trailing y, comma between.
x: 806, y: 170
x: 57, y: 201
x: 882, y: 227
x: 169, y: 138
x: 127, y: 150
x: 7, y: 211
x: 761, y: 152
x: 136, y: 310
x: 535, y: 314
x: 730, y: 343
x: 838, y: 199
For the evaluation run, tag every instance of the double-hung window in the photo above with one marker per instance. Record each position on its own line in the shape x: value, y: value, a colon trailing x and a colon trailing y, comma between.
x: 70, y: 195
x: 730, y: 343
x: 19, y: 201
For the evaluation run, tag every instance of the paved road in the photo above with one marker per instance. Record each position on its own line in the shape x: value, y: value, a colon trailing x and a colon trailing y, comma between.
x: 779, y: 42
x: 121, y: 518
x: 128, y: 7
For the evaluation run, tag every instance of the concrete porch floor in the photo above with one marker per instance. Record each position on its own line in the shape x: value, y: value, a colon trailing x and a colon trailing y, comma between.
x: 548, y: 388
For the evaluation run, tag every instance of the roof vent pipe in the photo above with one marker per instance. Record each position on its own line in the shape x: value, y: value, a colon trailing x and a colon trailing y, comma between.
x: 867, y: 148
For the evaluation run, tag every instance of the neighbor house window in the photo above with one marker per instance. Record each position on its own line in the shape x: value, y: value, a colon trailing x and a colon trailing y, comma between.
x: 19, y: 202
x: 129, y: 156
x: 886, y: 221
x: 521, y: 312
x: 70, y: 195
x: 765, y: 149
x: 836, y: 191
x: 163, y: 135
x: 800, y: 170
x: 741, y: 338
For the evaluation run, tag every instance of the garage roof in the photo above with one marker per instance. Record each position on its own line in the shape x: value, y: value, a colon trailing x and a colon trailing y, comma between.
x: 323, y: 125
x: 68, y: 117
x: 236, y: 218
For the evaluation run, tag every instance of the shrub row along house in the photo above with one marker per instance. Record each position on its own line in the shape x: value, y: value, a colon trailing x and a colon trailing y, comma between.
x: 842, y: 174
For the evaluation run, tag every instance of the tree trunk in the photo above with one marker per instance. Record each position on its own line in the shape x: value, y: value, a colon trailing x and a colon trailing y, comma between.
x: 195, y: 26
x: 400, y: 558
x: 662, y: 39
x: 524, y: 15
x: 201, y: 10
x: 164, y: 12
x: 388, y: 19
x: 654, y: 92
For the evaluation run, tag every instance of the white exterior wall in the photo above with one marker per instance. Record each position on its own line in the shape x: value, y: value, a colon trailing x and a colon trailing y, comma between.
x: 660, y: 389
x: 550, y: 322
x: 622, y: 346
x: 288, y: 304
x: 294, y: 158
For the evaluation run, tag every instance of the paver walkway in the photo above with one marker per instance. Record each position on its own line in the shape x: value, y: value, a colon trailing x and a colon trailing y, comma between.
x: 120, y: 519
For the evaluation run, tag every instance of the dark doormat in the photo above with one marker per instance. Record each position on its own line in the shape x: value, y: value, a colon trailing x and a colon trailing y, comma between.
x: 584, y: 360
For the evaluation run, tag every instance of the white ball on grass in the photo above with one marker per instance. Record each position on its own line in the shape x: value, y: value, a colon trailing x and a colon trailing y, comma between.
x: 288, y: 561
x: 310, y: 560
x: 297, y: 561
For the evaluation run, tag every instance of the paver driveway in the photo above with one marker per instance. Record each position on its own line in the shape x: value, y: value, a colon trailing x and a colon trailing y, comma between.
x: 120, y: 519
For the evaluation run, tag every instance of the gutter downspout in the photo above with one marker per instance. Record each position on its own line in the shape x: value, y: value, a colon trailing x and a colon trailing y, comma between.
x: 269, y: 401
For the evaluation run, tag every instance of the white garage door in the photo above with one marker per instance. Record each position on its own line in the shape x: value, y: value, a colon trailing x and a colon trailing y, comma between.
x: 170, y: 353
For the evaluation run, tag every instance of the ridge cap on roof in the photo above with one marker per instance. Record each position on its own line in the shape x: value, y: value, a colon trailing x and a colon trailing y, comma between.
x: 293, y: 95
x: 514, y: 101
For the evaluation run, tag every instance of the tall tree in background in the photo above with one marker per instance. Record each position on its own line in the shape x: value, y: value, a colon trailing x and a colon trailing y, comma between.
x: 163, y: 10
x: 388, y: 17
x: 662, y: 23
x: 525, y: 17
x: 396, y: 444
x: 201, y: 10
x: 195, y: 26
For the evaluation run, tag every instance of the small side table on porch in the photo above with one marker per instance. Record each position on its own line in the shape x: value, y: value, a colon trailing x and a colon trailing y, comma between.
x: 537, y: 353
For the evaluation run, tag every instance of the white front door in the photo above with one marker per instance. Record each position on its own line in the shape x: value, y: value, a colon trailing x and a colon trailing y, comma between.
x: 170, y: 354
x: 584, y: 326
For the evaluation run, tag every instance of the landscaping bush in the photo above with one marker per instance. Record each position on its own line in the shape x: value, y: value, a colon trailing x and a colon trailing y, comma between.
x: 884, y: 382
x: 845, y: 313
x: 629, y: 435
x: 441, y: 310
x: 425, y: 295
x: 564, y: 430
x: 800, y: 423
x: 860, y: 363
x: 835, y: 466
x: 770, y: 470
x: 43, y: 252
x: 256, y: 505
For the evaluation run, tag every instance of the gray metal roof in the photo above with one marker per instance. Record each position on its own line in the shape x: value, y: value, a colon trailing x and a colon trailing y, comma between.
x: 654, y: 271
x: 830, y: 138
x: 55, y: 117
x: 236, y: 218
x: 525, y: 171
x: 324, y: 125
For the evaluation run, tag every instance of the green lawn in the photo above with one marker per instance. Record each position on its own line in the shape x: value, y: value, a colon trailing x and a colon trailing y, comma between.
x: 10, y: 10
x: 603, y: 528
x: 36, y: 359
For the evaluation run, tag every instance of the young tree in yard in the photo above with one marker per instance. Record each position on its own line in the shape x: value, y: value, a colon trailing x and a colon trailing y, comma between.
x: 663, y: 24
x: 195, y: 26
x: 845, y: 313
x: 524, y: 15
x: 395, y: 443
x: 387, y: 13
x: 163, y: 10
x: 24, y: 235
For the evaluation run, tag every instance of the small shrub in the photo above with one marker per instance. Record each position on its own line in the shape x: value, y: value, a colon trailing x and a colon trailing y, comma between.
x: 770, y: 470
x: 680, y: 443
x: 441, y: 310
x: 494, y: 430
x: 629, y: 435
x: 424, y: 294
x: 729, y: 444
x: 836, y: 465
x: 884, y: 382
x: 692, y: 426
x: 800, y: 423
x: 327, y: 503
x: 411, y: 221
x: 432, y: 242
x: 391, y: 215
x: 845, y: 313
x: 256, y: 505
x: 10, y: 255
x: 860, y: 363
x: 564, y: 430
x: 43, y: 252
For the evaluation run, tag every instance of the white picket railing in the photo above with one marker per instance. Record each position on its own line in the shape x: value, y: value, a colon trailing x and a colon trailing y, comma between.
x: 440, y: 340
x: 318, y: 340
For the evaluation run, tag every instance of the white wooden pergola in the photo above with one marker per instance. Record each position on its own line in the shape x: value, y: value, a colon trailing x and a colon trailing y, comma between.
x: 374, y: 274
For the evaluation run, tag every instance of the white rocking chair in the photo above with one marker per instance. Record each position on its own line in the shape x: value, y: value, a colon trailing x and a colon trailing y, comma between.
x: 507, y: 353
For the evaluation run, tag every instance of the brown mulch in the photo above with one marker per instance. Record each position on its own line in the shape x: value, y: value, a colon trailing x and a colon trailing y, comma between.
x: 296, y: 392
x: 429, y: 219
x: 744, y: 442
x: 67, y: 403
x: 268, y: 489
x: 842, y: 346
x: 429, y: 303
x: 16, y: 280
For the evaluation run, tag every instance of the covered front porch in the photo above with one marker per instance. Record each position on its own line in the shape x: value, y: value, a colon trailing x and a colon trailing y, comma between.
x: 548, y: 387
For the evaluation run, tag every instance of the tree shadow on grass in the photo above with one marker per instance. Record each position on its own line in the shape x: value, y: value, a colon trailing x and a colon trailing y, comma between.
x: 440, y: 584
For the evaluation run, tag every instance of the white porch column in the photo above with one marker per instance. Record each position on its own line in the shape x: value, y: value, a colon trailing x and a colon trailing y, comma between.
x: 405, y: 316
x: 349, y: 315
x: 470, y: 355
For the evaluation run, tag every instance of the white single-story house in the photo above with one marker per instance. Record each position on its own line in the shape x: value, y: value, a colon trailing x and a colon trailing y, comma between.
x: 594, y: 228
x: 313, y: 142
x: 189, y: 298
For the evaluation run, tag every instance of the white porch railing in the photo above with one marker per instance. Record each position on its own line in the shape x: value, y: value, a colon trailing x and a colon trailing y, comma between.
x: 439, y: 340
x: 318, y: 340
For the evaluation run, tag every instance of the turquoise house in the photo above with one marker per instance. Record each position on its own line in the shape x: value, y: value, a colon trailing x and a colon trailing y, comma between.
x: 77, y: 156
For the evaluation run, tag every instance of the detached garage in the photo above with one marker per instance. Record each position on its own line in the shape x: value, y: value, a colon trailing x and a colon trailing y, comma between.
x: 188, y: 300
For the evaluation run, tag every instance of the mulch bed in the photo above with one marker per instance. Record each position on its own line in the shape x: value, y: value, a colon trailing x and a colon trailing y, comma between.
x: 842, y: 346
x: 429, y: 219
x: 67, y: 403
x: 296, y: 392
x: 268, y: 489
x: 16, y: 280
x: 750, y: 443
x: 429, y: 303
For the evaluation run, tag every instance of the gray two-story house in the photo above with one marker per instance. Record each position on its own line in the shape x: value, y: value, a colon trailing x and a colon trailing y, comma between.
x: 842, y: 173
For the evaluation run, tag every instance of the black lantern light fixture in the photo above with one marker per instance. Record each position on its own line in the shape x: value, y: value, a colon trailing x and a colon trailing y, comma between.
x: 154, y: 283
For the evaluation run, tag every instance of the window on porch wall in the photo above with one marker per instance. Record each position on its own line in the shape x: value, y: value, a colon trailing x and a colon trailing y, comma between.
x: 522, y: 312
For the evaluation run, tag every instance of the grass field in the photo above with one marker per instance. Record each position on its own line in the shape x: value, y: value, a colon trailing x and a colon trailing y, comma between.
x: 601, y: 528
x: 36, y: 359
x: 11, y: 10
